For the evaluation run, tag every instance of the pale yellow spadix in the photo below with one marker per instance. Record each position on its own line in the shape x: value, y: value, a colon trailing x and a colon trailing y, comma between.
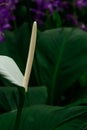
x: 30, y: 56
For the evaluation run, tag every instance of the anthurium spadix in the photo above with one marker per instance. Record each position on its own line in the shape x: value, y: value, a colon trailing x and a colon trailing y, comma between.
x: 30, y: 56
x: 9, y: 68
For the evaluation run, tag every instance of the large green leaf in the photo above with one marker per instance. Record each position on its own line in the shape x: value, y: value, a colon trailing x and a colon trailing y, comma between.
x: 9, y: 97
x: 46, y: 118
x: 61, y: 58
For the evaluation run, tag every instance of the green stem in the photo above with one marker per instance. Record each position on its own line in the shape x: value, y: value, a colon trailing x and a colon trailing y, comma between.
x: 29, y: 17
x: 20, y: 108
x: 15, y: 25
x: 18, y: 119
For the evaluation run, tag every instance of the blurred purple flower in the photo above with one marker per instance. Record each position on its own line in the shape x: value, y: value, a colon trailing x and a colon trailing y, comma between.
x: 47, y: 5
x: 52, y: 5
x: 56, y: 5
x: 62, y: 5
x: 83, y: 27
x: 6, y: 15
x: 72, y: 18
x: 80, y: 3
x: 39, y: 13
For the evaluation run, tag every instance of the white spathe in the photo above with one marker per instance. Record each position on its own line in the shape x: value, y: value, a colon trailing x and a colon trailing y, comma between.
x: 10, y: 70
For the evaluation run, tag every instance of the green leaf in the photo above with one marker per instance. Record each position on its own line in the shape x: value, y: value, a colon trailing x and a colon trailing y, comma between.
x: 10, y: 97
x: 83, y: 79
x: 47, y: 118
x: 57, y: 19
x: 61, y: 57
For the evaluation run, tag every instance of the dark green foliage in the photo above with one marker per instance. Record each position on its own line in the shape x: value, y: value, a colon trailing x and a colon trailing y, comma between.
x: 47, y: 118
x: 59, y: 64
x: 61, y: 57
x: 9, y: 97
